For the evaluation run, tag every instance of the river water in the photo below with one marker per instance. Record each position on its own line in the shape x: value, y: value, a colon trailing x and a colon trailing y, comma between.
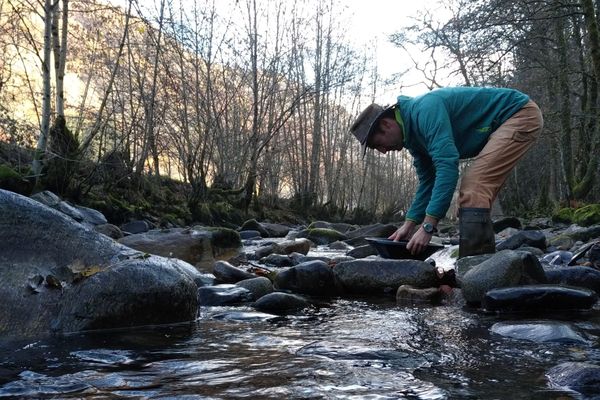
x: 343, y: 348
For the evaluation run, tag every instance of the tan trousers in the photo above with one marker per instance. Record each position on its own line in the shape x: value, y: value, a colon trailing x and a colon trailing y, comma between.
x: 488, y: 171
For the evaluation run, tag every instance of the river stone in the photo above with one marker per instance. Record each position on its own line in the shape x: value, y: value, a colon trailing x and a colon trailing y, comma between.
x: 91, y: 216
x: 312, y: 277
x: 276, y: 230
x: 538, y: 298
x: 539, y: 331
x: 594, y: 255
x: 375, y: 230
x: 226, y: 273
x: 507, y: 222
x: 465, y: 264
x: 279, y: 302
x: 584, y: 277
x: 48, y: 198
x: 562, y: 242
x: 223, y: 295
x: 362, y: 251
x: 258, y: 287
x: 378, y: 276
x: 300, y: 245
x: 581, y: 377
x: 245, y: 235
x: 321, y: 236
x: 254, y: 225
x: 137, y: 226
x: 408, y: 295
x: 279, y: 260
x: 199, y: 248
x: 339, y: 246
x: 504, y: 269
x: 110, y: 230
x: 528, y: 238
x: 91, y: 282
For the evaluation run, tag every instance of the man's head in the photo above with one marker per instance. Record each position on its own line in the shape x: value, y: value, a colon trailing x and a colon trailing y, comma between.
x: 376, y: 127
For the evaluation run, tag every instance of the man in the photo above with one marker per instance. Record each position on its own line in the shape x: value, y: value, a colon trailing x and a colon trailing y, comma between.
x: 492, y: 125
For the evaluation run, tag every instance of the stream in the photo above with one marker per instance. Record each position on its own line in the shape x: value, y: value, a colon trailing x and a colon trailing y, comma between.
x: 343, y: 348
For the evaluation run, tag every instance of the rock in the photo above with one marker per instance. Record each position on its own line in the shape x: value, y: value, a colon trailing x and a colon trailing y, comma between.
x: 539, y: 331
x: 562, y: 242
x: 506, y: 268
x: 379, y: 276
x: 594, y: 255
x: 293, y: 246
x: 578, y: 376
x: 48, y: 198
x: 278, y: 260
x: 139, y: 226
x: 222, y: 295
x: 362, y: 251
x: 110, y: 230
x: 254, y: 225
x: 408, y: 295
x: 244, y: 235
x: 312, y: 277
x: 258, y: 287
x: 199, y: 248
x: 507, y: 222
x: 538, y: 298
x: 102, y: 284
x: 91, y: 216
x: 587, y: 215
x: 532, y: 250
x: 584, y: 277
x: 529, y: 238
x: 537, y: 224
x: 321, y: 236
x: 278, y: 302
x: 340, y: 246
x: 227, y: 273
x: 276, y: 230
x: 465, y: 264
x: 376, y: 230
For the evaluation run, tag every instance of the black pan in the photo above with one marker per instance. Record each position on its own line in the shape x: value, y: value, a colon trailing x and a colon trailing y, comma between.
x: 389, y: 249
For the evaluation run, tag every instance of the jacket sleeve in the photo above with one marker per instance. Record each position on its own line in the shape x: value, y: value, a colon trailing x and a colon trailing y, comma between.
x: 434, y: 123
x: 426, y: 174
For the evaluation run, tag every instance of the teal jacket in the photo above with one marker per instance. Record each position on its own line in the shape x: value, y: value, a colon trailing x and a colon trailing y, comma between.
x: 443, y: 126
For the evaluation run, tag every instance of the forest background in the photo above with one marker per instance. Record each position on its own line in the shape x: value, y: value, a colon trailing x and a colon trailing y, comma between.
x: 197, y: 112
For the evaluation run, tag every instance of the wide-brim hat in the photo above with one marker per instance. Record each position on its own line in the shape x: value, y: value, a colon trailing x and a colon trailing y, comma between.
x: 366, y: 122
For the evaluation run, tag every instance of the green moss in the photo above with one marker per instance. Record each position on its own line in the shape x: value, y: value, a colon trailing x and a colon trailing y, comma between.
x: 564, y: 215
x: 588, y: 215
x: 224, y: 237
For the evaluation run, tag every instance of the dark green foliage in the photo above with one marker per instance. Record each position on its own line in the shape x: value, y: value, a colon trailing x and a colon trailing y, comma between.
x: 564, y: 215
x: 587, y: 215
x: 14, y: 181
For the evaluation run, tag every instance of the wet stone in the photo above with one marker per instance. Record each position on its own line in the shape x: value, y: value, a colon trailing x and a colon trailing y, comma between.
x: 312, y: 277
x: 584, y: 277
x: 221, y: 295
x: 538, y: 298
x: 258, y: 287
x: 226, y: 273
x: 279, y: 302
x: 539, y: 331
x: 408, y: 295
x: 578, y: 376
x: 362, y: 251
x: 528, y: 238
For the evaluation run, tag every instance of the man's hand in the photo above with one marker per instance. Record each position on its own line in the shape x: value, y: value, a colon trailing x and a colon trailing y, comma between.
x: 419, y: 242
x: 404, y: 232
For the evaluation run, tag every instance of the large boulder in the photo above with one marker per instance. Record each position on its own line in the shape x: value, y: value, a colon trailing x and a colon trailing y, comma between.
x: 504, y: 269
x: 59, y: 276
x: 198, y: 246
x: 379, y: 276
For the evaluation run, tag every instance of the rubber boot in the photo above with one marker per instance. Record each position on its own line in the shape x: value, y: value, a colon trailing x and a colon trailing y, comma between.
x: 476, y: 232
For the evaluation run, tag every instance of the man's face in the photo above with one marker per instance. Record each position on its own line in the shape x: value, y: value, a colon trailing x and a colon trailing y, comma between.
x: 387, y: 136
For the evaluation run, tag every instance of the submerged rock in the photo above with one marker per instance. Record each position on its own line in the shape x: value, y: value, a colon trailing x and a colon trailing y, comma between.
x: 578, y: 376
x: 539, y: 331
x: 538, y: 298
x: 408, y: 295
x: 222, y: 295
x: 96, y: 282
x: 378, y: 276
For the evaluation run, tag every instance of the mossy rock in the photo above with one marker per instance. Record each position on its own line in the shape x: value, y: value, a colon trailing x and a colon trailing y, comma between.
x: 564, y: 215
x: 588, y: 215
x: 322, y: 235
x: 225, y: 237
x: 13, y: 181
